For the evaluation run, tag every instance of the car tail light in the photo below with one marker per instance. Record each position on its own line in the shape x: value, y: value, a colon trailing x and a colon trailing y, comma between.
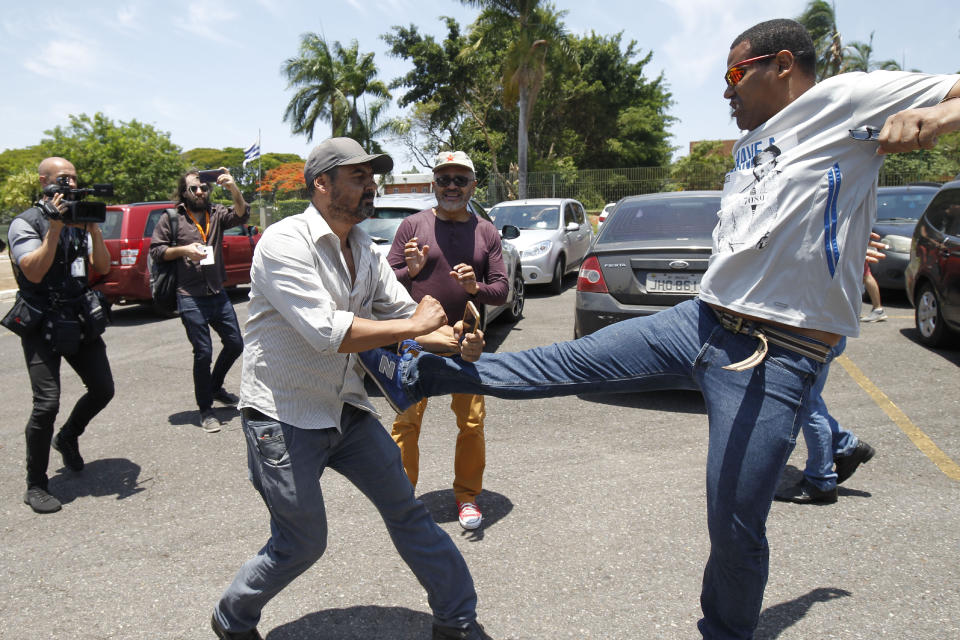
x: 590, y: 277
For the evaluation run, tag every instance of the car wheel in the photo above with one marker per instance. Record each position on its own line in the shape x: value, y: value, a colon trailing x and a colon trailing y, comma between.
x: 928, y: 318
x: 515, y: 312
x: 556, y: 285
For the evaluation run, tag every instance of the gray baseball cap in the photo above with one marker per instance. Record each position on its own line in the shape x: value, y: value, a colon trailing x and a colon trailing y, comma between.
x: 336, y: 152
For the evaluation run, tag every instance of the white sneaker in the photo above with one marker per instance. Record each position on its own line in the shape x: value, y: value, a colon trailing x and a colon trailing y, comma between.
x: 469, y: 515
x: 876, y: 315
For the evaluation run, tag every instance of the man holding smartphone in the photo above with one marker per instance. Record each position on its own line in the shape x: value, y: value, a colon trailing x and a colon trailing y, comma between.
x: 201, y: 299
x: 450, y: 254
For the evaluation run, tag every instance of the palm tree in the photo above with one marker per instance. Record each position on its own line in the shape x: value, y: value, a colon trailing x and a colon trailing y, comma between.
x: 320, y: 95
x: 372, y: 126
x: 858, y: 57
x: 536, y: 27
x: 359, y: 74
x: 331, y: 80
x: 820, y: 20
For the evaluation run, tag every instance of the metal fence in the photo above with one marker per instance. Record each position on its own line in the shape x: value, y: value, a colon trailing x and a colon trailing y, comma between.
x: 596, y: 187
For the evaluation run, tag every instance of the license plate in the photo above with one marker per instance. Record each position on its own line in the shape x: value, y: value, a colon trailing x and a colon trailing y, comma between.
x: 673, y: 283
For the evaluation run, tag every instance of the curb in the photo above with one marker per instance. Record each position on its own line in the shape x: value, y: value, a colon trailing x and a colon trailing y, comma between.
x: 9, y: 294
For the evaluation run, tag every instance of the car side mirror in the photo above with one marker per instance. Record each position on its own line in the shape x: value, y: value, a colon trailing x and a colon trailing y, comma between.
x: 573, y: 226
x: 252, y: 230
x: 510, y: 232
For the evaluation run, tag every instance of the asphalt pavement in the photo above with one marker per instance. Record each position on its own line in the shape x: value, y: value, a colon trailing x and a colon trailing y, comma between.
x: 594, y: 511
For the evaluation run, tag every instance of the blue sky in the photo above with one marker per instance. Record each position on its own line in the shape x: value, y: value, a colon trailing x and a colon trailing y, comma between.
x: 208, y: 72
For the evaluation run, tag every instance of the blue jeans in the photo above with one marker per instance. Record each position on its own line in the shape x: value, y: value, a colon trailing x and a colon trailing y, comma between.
x: 198, y: 314
x: 824, y: 436
x: 754, y: 418
x: 286, y: 464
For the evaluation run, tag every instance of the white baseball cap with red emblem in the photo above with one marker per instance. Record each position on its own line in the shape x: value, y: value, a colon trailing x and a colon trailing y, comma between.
x: 453, y: 158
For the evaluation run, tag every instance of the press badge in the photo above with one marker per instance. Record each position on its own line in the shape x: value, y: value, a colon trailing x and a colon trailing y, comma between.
x: 77, y: 268
x: 208, y: 255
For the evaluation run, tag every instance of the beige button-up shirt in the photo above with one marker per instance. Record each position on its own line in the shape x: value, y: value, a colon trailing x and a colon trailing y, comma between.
x: 301, y: 306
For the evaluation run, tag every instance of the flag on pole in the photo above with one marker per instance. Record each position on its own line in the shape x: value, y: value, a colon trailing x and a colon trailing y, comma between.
x: 251, y: 153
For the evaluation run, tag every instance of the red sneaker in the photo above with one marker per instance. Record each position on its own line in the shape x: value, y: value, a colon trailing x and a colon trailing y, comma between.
x: 469, y: 515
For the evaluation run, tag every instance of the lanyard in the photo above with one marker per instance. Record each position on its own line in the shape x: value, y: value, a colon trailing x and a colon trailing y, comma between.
x: 203, y: 233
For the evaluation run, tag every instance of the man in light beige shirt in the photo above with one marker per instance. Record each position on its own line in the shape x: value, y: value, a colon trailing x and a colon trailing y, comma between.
x: 319, y: 295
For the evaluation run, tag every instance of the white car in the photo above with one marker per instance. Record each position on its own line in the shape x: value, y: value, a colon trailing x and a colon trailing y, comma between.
x: 603, y: 214
x: 555, y: 235
x: 393, y: 208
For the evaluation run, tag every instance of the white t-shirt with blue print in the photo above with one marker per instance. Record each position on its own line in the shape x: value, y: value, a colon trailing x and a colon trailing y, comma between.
x: 798, y: 207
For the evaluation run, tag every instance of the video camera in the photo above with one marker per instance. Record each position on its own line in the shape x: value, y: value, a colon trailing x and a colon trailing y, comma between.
x: 78, y: 210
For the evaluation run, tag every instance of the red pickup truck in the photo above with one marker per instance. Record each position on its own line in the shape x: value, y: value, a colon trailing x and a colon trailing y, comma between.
x: 127, y: 231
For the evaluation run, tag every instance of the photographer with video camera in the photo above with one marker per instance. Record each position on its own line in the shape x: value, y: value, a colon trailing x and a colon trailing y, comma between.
x: 52, y: 246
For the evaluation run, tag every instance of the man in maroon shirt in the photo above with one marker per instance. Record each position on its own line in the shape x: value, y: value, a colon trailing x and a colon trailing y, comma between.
x: 452, y: 255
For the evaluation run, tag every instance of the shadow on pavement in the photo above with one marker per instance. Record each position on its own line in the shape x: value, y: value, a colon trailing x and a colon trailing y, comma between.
x: 106, y: 477
x: 950, y: 353
x: 778, y: 618
x: 792, y: 475
x: 443, y: 507
x: 357, y: 623
x: 676, y: 401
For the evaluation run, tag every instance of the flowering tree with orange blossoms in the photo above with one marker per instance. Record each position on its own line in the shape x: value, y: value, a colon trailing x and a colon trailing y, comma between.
x: 286, y: 179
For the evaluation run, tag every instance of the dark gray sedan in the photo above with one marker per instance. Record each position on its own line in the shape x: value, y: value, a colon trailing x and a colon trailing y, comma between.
x: 898, y: 209
x: 650, y: 255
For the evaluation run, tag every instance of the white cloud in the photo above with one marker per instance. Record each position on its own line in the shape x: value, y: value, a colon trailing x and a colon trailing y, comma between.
x: 64, y: 59
x: 126, y: 17
x: 205, y: 20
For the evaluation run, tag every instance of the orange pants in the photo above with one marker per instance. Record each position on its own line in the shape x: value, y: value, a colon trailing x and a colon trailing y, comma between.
x: 470, y: 457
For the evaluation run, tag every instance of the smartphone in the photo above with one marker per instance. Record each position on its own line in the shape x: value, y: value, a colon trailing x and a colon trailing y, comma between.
x: 210, y: 175
x: 471, y: 319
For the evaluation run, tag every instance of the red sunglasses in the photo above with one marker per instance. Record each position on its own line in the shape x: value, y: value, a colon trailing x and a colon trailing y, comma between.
x: 735, y: 73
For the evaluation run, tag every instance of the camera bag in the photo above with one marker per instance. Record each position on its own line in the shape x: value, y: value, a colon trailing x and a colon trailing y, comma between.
x: 23, y: 317
x: 163, y: 276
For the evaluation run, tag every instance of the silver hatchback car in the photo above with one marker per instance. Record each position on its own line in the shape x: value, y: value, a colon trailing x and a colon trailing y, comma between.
x: 555, y: 236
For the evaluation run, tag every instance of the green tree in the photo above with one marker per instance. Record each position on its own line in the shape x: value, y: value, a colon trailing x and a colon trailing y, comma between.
x: 15, y: 160
x: 455, y: 98
x: 703, y: 168
x: 360, y: 79
x: 608, y: 115
x: 820, y: 19
x: 319, y: 78
x: 141, y: 162
x: 18, y: 191
x: 858, y: 56
x: 535, y: 27
x: 331, y: 81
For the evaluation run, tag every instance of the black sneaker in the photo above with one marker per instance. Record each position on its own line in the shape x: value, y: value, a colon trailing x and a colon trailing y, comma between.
x: 41, y: 501
x: 847, y: 465
x: 473, y: 631
x: 224, y: 396
x: 68, y: 448
x: 804, y: 492
x: 223, y: 634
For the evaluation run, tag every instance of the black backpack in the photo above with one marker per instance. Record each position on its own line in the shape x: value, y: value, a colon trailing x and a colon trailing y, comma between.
x: 163, y: 275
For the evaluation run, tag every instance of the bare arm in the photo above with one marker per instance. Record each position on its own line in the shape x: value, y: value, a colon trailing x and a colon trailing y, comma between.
x: 35, y: 264
x: 367, y: 334
x: 914, y: 129
x: 100, y: 256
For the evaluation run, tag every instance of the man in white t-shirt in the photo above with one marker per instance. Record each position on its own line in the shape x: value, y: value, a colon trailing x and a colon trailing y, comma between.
x: 781, y: 291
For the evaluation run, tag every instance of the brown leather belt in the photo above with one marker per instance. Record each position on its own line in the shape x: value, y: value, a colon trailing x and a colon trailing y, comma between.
x: 768, y: 334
